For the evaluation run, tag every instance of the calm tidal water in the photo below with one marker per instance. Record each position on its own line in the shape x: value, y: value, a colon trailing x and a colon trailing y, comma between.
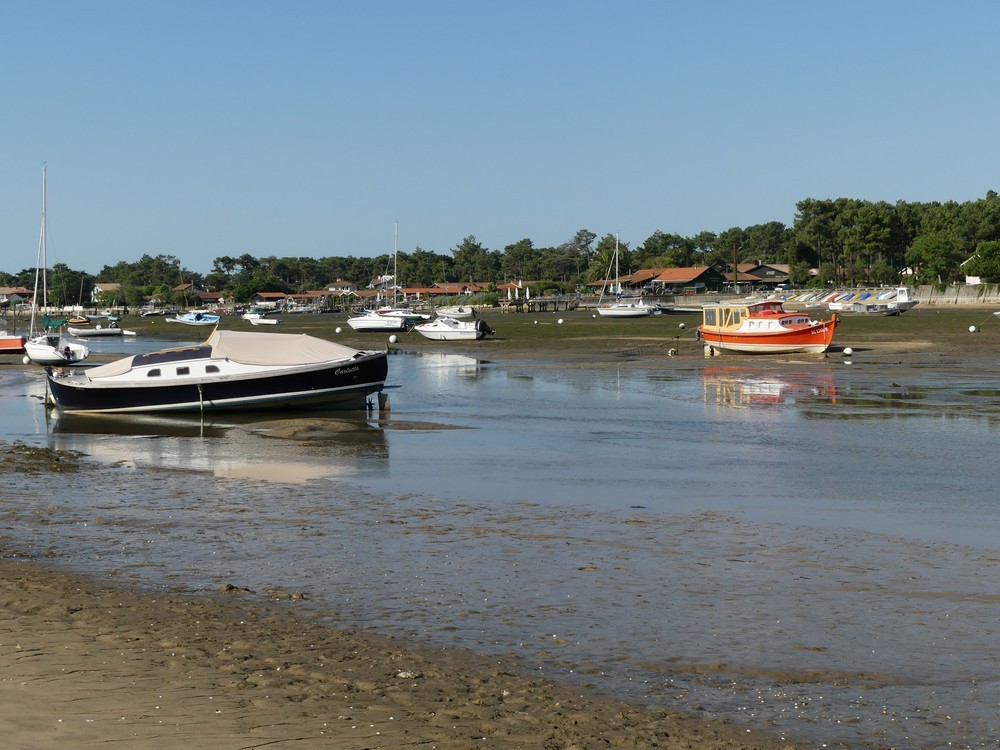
x: 810, y: 547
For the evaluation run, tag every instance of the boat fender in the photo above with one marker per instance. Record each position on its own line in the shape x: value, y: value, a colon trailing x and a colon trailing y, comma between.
x: 697, y: 334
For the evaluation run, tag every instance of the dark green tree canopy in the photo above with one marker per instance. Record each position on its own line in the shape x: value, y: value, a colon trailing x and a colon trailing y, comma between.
x: 841, y: 240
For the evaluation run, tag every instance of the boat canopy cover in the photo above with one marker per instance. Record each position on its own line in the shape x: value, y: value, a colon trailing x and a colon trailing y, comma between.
x: 245, y: 347
x: 253, y: 348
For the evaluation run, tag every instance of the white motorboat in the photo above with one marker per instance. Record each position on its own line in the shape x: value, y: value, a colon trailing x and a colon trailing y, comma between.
x: 260, y: 319
x: 458, y: 312
x: 449, y: 329
x: 196, y: 318
x: 408, y: 313
x: 48, y: 347
x: 51, y: 348
x: 112, y: 329
x: 371, y: 321
x: 232, y: 370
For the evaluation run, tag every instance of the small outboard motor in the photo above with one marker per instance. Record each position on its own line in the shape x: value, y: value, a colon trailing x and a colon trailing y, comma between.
x: 482, y: 325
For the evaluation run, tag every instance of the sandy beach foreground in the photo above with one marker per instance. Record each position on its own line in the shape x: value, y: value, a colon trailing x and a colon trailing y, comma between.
x: 86, y: 664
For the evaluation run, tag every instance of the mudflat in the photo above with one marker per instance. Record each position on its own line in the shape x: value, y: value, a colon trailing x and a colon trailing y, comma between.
x: 86, y: 663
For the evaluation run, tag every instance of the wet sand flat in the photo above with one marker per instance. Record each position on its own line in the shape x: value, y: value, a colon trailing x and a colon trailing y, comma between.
x: 86, y: 665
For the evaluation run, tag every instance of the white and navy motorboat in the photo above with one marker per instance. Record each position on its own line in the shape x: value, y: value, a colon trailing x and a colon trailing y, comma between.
x: 231, y: 370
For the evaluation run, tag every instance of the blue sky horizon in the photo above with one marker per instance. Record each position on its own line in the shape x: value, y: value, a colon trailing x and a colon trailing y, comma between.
x: 201, y: 130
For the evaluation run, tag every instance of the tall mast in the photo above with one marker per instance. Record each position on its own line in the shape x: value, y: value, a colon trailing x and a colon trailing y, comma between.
x: 736, y: 272
x: 40, y: 263
x: 45, y: 242
x: 395, y: 253
x: 618, y: 285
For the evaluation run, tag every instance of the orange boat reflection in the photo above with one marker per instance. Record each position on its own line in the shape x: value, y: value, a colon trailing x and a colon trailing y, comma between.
x: 744, y: 388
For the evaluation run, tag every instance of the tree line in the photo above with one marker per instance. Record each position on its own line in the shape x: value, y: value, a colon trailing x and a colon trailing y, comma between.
x: 843, y: 241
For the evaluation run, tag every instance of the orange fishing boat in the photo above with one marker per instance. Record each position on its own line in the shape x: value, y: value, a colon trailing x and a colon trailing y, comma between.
x: 11, y: 343
x: 763, y: 327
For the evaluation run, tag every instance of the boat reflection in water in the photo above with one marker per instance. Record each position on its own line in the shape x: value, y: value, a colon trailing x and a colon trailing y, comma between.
x: 293, y: 448
x: 438, y: 368
x: 747, y: 388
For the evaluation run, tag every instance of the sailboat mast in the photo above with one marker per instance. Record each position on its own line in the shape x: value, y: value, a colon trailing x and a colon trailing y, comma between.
x: 618, y: 286
x: 395, y: 256
x: 45, y: 243
x: 40, y: 264
x: 736, y: 272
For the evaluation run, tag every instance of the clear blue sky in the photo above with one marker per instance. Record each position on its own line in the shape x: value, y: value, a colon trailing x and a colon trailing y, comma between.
x: 202, y: 129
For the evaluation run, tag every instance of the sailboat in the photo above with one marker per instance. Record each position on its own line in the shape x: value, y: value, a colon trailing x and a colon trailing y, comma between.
x: 48, y: 346
x: 395, y: 310
x: 623, y: 307
x: 389, y: 317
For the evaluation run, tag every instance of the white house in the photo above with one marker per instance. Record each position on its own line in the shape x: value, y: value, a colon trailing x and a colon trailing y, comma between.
x: 342, y: 287
x: 970, y: 280
x: 105, y: 292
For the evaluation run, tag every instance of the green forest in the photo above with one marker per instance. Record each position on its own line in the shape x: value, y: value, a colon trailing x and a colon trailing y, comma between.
x: 849, y: 242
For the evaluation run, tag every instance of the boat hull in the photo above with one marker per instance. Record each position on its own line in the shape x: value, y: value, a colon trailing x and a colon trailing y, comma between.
x: 53, y: 350
x: 260, y: 319
x: 375, y: 323
x: 195, y: 320
x: 625, y: 311
x: 10, y: 344
x: 338, y: 385
x: 812, y: 340
x: 435, y: 335
x: 89, y: 333
x: 458, y: 312
x: 449, y: 329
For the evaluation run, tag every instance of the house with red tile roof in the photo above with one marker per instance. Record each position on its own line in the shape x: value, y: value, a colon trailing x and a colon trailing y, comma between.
x: 696, y: 280
x: 268, y: 299
x: 210, y: 299
x: 442, y: 289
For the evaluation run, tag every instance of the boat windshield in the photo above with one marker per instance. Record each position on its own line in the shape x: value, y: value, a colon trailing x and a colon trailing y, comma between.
x: 724, y: 317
